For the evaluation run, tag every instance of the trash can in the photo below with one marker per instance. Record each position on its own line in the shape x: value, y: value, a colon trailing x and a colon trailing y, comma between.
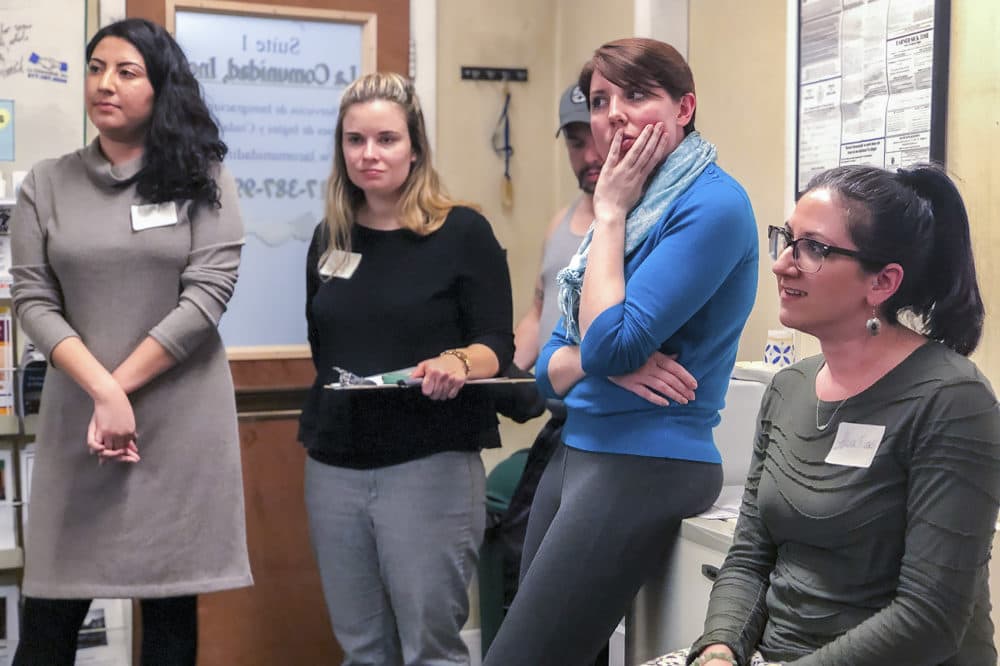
x: 498, y: 563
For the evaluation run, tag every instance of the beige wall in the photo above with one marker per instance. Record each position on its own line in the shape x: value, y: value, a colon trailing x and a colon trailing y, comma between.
x: 551, y: 39
x: 741, y: 109
x: 581, y: 27
x: 973, y: 143
x: 517, y: 33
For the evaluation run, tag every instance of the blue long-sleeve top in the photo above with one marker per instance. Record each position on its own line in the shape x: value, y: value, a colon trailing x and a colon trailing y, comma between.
x: 689, y: 289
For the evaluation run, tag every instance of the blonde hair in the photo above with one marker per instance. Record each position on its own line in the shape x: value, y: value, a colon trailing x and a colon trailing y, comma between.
x: 423, y: 203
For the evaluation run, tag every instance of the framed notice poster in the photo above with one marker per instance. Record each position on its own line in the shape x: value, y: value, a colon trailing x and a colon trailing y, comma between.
x: 872, y: 83
x: 273, y: 77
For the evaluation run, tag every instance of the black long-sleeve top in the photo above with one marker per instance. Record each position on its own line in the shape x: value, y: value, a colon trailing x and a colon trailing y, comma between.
x: 410, y: 298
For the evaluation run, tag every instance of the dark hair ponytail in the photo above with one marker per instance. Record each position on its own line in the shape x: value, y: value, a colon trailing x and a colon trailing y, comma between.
x: 951, y: 305
x: 916, y: 218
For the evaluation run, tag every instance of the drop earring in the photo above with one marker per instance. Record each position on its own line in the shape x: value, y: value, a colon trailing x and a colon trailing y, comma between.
x: 874, y: 325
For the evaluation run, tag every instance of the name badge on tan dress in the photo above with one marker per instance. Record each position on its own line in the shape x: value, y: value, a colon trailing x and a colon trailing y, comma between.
x: 150, y: 216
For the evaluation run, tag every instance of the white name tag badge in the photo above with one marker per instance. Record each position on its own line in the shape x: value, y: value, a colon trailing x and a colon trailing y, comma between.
x: 340, y: 264
x: 150, y: 216
x: 855, y: 444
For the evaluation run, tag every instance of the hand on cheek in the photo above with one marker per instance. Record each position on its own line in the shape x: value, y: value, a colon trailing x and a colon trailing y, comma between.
x: 624, y: 175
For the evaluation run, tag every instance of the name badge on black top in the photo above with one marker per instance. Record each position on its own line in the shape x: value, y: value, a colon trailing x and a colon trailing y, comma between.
x: 340, y: 264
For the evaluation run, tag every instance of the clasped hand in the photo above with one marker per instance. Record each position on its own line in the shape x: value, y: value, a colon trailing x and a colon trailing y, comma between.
x: 111, y: 432
x: 624, y: 176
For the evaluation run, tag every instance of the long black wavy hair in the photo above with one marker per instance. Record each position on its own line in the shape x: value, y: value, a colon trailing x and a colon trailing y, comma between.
x: 182, y: 145
x: 916, y: 217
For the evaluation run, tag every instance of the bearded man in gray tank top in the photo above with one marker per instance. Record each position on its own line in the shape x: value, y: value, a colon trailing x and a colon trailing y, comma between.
x: 565, y: 231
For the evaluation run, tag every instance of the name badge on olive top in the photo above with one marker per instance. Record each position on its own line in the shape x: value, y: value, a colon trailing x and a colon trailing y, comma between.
x: 856, y: 444
x: 340, y: 264
x: 150, y: 216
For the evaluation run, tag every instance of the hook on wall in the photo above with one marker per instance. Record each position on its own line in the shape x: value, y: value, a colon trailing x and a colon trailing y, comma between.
x: 504, y: 74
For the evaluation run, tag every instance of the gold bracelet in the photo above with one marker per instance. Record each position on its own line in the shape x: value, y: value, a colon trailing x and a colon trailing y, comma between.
x: 461, y: 356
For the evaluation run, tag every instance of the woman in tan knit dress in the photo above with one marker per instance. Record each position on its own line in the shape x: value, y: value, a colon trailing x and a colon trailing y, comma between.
x: 125, y: 254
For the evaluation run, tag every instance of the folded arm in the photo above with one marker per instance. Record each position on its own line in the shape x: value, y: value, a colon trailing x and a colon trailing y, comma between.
x: 695, y: 254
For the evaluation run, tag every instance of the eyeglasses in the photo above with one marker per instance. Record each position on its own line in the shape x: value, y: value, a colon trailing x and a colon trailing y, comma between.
x: 807, y: 253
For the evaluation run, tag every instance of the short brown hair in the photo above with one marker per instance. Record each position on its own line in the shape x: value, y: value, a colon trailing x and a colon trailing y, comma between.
x: 638, y: 62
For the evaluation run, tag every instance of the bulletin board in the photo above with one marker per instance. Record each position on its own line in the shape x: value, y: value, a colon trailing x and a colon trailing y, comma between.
x: 872, y: 84
x: 41, y: 81
x: 273, y: 77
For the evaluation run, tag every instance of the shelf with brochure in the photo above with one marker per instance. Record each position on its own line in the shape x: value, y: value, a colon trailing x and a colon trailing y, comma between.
x: 14, y: 436
x: 9, y: 424
x: 13, y: 441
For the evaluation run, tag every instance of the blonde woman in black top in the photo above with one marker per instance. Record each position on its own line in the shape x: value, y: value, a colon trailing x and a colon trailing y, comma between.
x: 399, y: 276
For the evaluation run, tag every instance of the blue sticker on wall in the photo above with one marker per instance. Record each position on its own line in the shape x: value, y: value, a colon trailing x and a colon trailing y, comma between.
x: 47, y: 69
x: 6, y: 130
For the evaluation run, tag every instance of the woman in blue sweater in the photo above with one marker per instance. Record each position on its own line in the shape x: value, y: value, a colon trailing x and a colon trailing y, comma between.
x: 668, y: 271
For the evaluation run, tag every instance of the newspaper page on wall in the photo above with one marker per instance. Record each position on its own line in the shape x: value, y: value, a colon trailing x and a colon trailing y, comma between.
x: 872, y: 83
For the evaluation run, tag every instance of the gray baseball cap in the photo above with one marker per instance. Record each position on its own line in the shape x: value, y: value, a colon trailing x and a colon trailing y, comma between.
x: 573, y: 108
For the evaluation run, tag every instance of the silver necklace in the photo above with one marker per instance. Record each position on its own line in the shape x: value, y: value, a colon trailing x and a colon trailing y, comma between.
x: 826, y: 425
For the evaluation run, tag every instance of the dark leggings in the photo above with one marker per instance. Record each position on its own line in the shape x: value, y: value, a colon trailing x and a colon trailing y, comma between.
x: 49, y: 631
x: 599, y: 525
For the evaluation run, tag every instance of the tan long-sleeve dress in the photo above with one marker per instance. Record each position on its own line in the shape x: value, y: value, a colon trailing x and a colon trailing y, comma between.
x: 173, y: 524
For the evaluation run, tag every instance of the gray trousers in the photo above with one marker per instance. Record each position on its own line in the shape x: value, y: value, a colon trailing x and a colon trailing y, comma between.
x: 396, y: 548
x: 600, y: 525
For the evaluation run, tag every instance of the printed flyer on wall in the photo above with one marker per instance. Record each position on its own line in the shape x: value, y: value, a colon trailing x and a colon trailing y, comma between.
x: 866, y: 84
x: 6, y: 361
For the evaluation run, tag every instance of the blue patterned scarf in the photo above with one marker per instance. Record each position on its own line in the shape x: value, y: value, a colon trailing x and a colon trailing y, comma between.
x: 674, y: 176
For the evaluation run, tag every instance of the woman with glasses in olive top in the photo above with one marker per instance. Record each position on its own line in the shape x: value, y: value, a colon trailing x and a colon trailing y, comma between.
x: 865, y: 531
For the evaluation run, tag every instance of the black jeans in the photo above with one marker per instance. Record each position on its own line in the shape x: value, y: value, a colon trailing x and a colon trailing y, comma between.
x: 50, y: 626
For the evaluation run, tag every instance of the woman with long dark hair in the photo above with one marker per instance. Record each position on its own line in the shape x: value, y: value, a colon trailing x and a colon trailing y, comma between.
x: 669, y: 268
x: 125, y: 254
x: 865, y: 532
